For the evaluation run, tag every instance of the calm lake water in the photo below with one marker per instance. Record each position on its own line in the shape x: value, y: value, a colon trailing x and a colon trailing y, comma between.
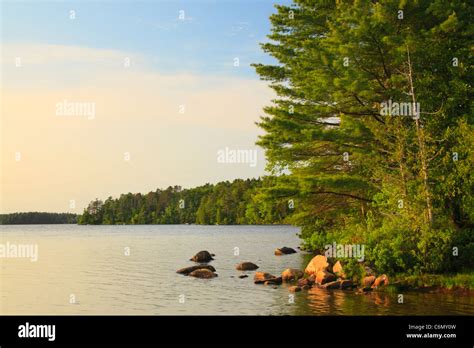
x: 88, y: 264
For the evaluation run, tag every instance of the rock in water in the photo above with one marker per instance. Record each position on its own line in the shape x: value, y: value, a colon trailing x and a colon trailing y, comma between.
x: 368, y: 281
x: 346, y: 284
x: 294, y: 289
x: 202, y: 256
x: 246, y: 266
x: 317, y: 263
x: 323, y: 277
x: 273, y: 281
x: 291, y: 274
x: 190, y: 269
x: 332, y: 285
x: 203, y: 273
x: 304, y: 282
x: 262, y: 277
x: 380, y: 281
x: 243, y: 276
x: 284, y: 251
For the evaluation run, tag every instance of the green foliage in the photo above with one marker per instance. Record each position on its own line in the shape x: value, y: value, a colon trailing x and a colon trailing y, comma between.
x: 448, y: 281
x: 400, y: 185
x: 226, y: 203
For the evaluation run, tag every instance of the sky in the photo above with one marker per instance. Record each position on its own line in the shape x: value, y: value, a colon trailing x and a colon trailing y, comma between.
x: 100, y: 98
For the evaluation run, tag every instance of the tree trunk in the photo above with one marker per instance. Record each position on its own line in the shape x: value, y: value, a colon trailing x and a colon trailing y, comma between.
x: 421, y: 143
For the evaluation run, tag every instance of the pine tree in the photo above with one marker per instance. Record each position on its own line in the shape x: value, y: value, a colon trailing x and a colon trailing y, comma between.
x: 362, y: 171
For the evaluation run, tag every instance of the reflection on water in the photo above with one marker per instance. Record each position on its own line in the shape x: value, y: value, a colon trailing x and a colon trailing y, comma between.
x: 337, y: 302
x: 89, y: 264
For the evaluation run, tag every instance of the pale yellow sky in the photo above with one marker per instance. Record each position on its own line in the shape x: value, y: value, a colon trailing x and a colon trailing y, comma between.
x: 47, y: 159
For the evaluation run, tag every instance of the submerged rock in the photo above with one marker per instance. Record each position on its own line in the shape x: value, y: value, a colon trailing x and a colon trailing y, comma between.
x: 291, y: 274
x: 317, y: 263
x: 202, y: 256
x: 203, y: 273
x: 284, y: 251
x: 190, y: 269
x: 243, y: 276
x: 246, y: 266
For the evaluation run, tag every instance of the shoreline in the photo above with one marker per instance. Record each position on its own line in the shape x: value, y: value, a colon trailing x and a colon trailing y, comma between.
x: 458, y: 283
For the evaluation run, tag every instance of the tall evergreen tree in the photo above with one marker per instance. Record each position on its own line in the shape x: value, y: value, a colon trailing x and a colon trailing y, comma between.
x: 366, y: 164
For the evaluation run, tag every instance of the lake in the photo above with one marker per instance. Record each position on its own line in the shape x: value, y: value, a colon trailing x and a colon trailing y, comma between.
x: 132, y: 270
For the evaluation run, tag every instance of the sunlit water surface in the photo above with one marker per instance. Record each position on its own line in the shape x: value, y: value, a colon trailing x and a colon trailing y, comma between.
x: 85, y: 270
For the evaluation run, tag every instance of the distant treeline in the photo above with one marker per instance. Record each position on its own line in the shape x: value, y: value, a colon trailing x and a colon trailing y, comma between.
x: 31, y: 218
x: 225, y: 203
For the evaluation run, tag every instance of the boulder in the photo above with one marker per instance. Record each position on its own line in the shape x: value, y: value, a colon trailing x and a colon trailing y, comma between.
x: 202, y: 256
x: 190, y: 269
x: 380, y: 281
x: 337, y: 269
x: 276, y: 281
x: 262, y: 277
x: 284, y: 251
x: 243, y: 276
x: 332, y: 285
x: 323, y: 277
x: 203, y: 273
x: 347, y: 284
x: 368, y: 281
x: 294, y: 289
x: 291, y: 274
x: 303, y: 282
x: 246, y: 266
x: 317, y: 263
x: 273, y: 281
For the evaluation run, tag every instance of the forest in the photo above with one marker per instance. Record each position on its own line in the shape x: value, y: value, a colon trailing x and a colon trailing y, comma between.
x: 225, y: 203
x: 33, y: 218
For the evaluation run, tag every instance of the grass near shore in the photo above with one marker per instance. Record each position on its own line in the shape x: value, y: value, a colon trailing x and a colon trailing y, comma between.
x: 459, y: 281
